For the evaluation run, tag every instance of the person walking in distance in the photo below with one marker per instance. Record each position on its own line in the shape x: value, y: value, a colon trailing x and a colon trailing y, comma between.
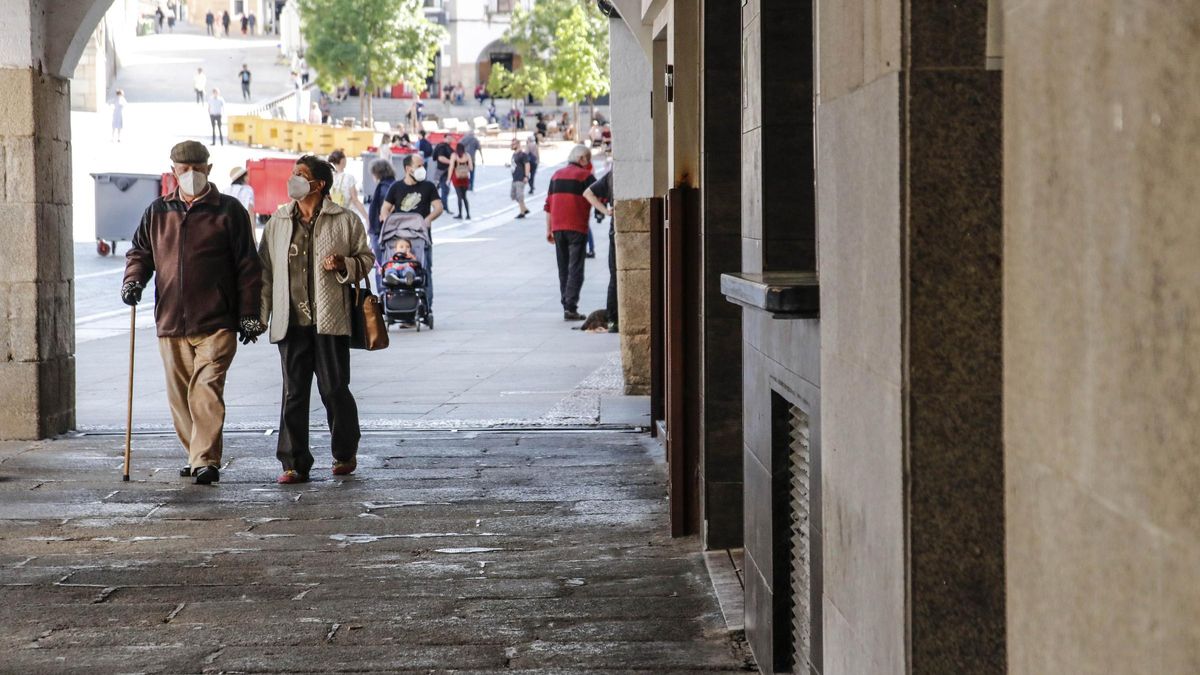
x: 199, y: 82
x: 216, y: 110
x: 240, y: 191
x: 209, y: 20
x: 225, y: 21
x: 535, y: 156
x: 118, y: 115
x: 244, y: 76
x: 473, y: 148
x: 567, y: 218
x: 344, y: 192
x: 311, y: 250
x: 461, y: 168
x: 198, y: 245
x: 520, y: 176
x: 440, y: 169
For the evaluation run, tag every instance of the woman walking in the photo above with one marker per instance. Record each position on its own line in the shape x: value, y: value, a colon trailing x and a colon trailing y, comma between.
x: 345, y: 188
x: 311, y: 251
x: 461, y: 166
x: 118, y: 117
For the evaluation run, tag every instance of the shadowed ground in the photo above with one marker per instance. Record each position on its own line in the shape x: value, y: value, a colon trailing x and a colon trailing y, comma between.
x: 467, y: 552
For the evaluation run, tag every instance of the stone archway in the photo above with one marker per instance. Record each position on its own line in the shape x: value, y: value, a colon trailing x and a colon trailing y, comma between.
x: 495, y: 52
x: 41, y: 45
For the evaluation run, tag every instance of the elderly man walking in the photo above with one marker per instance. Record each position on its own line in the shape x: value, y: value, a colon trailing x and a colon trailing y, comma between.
x: 567, y: 225
x: 199, y: 246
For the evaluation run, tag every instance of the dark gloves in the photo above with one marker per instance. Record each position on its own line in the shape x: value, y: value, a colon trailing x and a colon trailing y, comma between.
x: 249, y: 329
x: 131, y: 293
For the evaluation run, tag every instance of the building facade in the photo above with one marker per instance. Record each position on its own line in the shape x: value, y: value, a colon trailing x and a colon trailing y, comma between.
x: 886, y: 360
x: 475, y: 30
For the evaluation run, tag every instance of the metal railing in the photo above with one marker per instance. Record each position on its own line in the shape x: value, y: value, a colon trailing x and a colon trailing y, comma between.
x: 278, y: 106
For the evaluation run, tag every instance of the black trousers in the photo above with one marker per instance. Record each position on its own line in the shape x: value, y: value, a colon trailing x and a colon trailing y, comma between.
x: 462, y: 200
x: 571, y: 247
x: 611, y: 305
x: 216, y: 129
x: 303, y: 353
x: 246, y: 90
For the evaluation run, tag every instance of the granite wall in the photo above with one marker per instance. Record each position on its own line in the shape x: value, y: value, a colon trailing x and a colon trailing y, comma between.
x: 1101, y: 376
x: 720, y: 243
x: 908, y: 176
x: 780, y: 357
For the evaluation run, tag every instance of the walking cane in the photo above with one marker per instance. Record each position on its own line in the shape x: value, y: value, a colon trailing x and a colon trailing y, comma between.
x: 129, y: 407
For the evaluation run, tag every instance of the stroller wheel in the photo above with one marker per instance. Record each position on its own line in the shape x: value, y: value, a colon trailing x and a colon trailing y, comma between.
x: 429, y: 320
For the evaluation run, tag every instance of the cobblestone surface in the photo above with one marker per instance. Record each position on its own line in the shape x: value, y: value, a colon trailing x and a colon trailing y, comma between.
x: 465, y: 552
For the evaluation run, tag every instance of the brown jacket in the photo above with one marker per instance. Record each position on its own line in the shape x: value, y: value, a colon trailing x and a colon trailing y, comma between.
x: 206, y: 270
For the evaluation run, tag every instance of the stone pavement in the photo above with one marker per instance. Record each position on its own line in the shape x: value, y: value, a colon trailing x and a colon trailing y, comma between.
x: 464, y: 552
x: 500, y: 354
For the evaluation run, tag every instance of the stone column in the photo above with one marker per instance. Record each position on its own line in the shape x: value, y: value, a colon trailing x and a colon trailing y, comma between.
x: 909, y: 219
x: 37, y: 333
x: 633, y: 139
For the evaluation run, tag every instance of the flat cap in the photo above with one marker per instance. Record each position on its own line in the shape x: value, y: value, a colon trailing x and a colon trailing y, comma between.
x: 189, y: 152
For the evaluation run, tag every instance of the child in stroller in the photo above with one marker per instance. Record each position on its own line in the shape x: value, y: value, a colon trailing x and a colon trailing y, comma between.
x: 406, y: 277
x: 403, y: 269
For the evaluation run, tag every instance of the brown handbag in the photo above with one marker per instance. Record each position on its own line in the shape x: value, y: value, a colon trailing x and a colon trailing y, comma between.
x: 368, y: 330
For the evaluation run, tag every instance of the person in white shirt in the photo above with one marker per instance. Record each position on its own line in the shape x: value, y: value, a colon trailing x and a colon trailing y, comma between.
x: 345, y: 186
x: 240, y: 191
x: 199, y: 82
x: 118, y: 116
x: 216, y: 109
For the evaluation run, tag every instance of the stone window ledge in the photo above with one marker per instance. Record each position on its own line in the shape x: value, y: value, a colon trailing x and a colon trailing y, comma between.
x: 783, y: 295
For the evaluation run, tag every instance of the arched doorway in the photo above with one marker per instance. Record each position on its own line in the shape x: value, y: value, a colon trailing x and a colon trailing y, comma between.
x: 496, y: 54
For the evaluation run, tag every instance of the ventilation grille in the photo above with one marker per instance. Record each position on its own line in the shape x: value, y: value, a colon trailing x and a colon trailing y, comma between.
x: 799, y: 471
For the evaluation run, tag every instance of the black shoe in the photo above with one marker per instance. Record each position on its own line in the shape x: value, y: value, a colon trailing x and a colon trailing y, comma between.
x: 458, y: 217
x: 520, y: 215
x: 185, y: 472
x: 573, y: 316
x: 590, y: 254
x: 208, y: 475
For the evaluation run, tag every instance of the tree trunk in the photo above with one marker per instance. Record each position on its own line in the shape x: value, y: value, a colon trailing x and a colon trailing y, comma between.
x: 575, y: 137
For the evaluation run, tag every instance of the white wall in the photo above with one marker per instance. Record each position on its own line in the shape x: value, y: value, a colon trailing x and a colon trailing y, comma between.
x: 633, y: 137
x: 22, y: 19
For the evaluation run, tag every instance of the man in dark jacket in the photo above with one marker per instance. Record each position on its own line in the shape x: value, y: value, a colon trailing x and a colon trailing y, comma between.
x: 199, y: 246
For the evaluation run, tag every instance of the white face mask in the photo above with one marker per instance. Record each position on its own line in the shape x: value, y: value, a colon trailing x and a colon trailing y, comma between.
x: 298, y: 187
x: 192, y: 183
x: 418, y: 174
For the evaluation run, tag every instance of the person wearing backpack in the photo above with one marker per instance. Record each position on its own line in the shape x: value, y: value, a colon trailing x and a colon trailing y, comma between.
x: 344, y: 192
x: 461, y: 168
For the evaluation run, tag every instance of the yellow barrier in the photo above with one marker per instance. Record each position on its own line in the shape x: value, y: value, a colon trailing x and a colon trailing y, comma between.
x: 300, y: 137
x: 238, y: 131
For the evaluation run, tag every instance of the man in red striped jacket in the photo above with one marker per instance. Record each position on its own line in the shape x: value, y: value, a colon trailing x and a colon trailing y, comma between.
x: 567, y: 225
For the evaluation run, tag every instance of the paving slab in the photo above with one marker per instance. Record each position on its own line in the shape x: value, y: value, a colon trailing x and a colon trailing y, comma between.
x: 537, y: 552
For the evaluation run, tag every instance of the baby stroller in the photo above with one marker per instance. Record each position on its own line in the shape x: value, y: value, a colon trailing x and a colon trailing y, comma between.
x: 404, y: 302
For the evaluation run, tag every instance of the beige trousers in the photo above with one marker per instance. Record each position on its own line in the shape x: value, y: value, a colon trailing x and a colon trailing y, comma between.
x: 196, y: 368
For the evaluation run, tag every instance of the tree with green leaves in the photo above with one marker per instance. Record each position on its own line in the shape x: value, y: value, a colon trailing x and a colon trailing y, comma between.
x: 564, y: 48
x: 369, y: 43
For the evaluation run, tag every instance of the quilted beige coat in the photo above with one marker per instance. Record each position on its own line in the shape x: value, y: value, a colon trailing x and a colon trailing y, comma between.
x: 337, y: 231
